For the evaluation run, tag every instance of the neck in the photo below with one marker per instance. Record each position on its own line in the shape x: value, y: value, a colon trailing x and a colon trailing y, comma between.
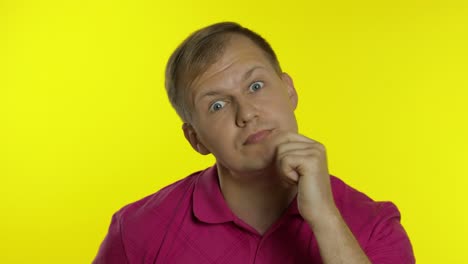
x: 259, y: 198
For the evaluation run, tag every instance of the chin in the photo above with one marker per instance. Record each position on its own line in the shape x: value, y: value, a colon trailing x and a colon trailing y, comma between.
x: 257, y: 165
x: 247, y: 166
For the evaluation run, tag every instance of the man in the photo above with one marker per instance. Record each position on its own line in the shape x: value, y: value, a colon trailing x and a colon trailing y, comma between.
x: 269, y: 198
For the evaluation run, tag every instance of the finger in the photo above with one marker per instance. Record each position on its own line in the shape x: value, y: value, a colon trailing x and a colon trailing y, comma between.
x: 288, y: 141
x: 281, y: 137
x: 291, y: 146
x: 292, y: 166
x: 303, y: 153
x: 287, y: 182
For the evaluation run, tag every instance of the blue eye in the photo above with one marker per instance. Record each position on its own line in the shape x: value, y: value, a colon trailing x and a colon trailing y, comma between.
x: 256, y: 86
x: 216, y: 106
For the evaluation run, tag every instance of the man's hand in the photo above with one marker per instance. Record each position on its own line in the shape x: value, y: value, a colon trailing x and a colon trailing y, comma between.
x: 303, y: 162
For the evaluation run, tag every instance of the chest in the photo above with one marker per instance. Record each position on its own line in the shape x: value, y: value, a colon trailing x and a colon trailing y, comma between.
x: 192, y: 242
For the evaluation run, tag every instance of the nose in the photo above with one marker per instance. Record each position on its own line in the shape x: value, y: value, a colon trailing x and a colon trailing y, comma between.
x: 246, y: 112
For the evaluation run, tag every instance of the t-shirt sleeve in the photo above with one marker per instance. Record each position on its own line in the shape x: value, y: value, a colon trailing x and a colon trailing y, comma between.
x: 389, y: 243
x: 112, y: 249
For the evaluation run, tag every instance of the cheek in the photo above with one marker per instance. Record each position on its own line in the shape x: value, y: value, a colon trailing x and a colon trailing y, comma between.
x: 284, y: 113
x: 217, y: 137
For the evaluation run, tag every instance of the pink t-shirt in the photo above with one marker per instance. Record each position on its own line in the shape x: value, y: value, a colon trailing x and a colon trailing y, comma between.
x: 190, y: 222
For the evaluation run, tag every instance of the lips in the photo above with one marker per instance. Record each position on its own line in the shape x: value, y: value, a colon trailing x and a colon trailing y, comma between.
x: 257, y: 137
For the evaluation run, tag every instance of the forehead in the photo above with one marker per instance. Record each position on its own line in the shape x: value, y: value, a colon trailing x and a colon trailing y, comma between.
x: 239, y: 47
x: 239, y: 55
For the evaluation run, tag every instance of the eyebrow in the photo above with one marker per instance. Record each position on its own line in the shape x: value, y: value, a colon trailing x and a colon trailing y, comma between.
x: 246, y: 76
x: 248, y: 73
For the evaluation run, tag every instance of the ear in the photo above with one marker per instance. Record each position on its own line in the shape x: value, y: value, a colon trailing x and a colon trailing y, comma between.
x: 287, y: 80
x: 192, y: 138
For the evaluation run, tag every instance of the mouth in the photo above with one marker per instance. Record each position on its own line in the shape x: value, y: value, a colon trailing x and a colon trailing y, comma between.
x: 257, y: 137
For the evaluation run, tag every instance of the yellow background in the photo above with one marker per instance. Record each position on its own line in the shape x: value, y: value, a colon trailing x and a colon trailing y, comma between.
x: 85, y: 125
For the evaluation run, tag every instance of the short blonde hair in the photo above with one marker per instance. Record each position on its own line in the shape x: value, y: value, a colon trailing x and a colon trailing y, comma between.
x: 197, y: 52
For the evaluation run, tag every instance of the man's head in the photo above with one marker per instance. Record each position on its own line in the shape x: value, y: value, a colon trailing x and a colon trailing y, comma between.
x: 201, y: 49
x: 235, y: 97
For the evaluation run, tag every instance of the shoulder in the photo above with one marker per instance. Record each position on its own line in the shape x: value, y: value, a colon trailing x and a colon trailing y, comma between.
x: 356, y: 204
x: 375, y: 224
x: 144, y: 223
x: 359, y: 210
x: 158, y: 203
x: 138, y: 228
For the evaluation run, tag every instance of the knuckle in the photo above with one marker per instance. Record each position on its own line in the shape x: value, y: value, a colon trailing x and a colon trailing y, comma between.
x: 320, y: 146
x: 315, y: 152
x: 286, y: 159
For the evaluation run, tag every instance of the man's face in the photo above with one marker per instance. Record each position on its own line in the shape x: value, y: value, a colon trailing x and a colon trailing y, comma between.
x: 238, y: 104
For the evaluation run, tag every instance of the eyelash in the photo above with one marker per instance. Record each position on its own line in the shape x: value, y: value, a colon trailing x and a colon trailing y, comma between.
x: 257, y: 82
x: 216, y: 102
x: 212, y: 109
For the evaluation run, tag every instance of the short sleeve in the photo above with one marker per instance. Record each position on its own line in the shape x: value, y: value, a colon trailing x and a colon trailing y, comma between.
x: 389, y: 243
x: 112, y: 250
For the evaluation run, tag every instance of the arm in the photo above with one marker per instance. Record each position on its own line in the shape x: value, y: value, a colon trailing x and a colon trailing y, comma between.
x: 336, y: 242
x: 302, y: 162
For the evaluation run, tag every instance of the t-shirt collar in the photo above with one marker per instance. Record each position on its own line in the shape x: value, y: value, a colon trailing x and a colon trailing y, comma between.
x: 209, y: 205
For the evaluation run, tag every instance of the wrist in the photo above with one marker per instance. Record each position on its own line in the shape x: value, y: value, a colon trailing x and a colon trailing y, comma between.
x: 325, y: 218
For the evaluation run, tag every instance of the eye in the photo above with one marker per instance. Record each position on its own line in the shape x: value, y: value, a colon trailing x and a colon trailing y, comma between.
x: 256, y: 86
x: 216, y: 106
